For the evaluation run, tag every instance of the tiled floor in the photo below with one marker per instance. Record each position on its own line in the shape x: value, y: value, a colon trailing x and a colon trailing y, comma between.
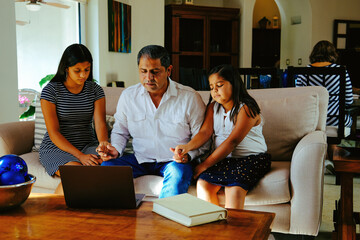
x: 332, y: 193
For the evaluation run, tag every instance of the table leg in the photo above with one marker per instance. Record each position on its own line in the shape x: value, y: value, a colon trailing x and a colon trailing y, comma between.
x: 346, y: 224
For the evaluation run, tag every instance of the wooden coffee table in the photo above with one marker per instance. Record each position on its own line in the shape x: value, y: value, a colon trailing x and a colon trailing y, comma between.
x: 45, y: 216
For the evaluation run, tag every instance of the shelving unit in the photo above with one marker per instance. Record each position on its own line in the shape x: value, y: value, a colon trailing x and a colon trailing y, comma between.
x: 200, y: 38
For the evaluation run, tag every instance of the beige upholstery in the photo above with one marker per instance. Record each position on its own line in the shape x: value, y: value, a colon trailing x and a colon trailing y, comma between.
x: 295, y: 134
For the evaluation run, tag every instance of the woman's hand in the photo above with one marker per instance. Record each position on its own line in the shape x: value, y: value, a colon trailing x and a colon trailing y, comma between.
x: 199, y: 169
x: 90, y: 160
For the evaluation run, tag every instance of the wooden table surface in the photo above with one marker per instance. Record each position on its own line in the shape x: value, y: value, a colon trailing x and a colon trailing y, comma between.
x: 45, y: 216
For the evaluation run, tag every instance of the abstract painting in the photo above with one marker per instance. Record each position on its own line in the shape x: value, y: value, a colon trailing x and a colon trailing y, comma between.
x: 119, y: 15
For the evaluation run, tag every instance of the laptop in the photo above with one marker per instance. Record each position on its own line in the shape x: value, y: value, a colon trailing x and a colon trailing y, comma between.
x: 99, y: 187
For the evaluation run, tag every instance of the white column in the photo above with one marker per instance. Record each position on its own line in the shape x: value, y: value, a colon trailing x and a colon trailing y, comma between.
x: 9, y: 106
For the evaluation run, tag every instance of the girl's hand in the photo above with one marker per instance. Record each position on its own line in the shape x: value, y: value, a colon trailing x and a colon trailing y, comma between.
x: 198, y: 170
x: 89, y: 160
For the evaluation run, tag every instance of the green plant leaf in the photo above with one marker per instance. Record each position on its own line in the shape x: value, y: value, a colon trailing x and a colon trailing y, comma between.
x: 46, y: 79
x: 28, y: 113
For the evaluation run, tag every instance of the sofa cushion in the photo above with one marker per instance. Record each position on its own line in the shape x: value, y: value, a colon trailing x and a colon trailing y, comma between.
x: 205, y: 95
x: 273, y: 188
x: 35, y: 168
x: 283, y: 126
x: 149, y: 184
x: 112, y: 95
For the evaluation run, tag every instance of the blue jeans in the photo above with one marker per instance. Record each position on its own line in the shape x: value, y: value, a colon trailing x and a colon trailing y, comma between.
x: 177, y: 176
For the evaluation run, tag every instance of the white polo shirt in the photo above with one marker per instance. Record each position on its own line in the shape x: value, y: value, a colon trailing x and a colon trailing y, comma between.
x: 177, y: 119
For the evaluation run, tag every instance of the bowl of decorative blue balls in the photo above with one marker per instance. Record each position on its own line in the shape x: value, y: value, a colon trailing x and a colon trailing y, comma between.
x: 15, y: 182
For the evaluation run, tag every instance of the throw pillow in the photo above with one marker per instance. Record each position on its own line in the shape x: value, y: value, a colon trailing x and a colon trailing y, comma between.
x: 287, y: 120
x: 129, y: 148
x: 110, y: 120
x: 40, y: 128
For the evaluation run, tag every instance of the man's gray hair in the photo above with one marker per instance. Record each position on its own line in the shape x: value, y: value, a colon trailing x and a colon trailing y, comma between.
x: 155, y: 52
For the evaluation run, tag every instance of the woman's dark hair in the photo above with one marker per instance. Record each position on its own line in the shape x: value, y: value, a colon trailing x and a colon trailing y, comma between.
x: 323, y: 51
x: 73, y: 54
x: 155, y: 52
x: 239, y: 92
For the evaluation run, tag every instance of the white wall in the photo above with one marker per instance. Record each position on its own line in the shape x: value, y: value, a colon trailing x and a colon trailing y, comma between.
x: 41, y: 42
x: 323, y: 18
x: 296, y: 39
x: 147, y: 27
x: 246, y: 21
x: 9, y: 105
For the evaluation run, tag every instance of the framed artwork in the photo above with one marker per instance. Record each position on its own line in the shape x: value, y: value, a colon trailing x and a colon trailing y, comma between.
x: 119, y: 15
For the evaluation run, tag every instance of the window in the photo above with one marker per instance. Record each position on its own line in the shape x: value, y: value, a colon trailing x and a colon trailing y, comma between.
x: 42, y: 39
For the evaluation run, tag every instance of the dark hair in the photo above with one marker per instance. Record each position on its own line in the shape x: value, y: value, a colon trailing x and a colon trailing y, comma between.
x: 73, y: 54
x: 323, y: 51
x: 239, y: 92
x: 155, y: 52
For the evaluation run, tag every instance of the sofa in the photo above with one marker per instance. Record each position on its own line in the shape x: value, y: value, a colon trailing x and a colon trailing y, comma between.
x: 294, y: 131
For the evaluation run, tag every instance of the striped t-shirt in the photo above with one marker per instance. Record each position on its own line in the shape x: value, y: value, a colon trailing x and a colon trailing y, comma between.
x: 74, y: 111
x: 332, y: 84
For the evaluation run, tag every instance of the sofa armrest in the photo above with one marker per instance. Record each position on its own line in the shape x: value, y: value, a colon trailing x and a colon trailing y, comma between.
x: 306, y: 180
x: 16, y: 137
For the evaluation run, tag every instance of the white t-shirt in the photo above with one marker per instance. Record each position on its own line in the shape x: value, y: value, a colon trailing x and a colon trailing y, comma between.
x: 253, y: 143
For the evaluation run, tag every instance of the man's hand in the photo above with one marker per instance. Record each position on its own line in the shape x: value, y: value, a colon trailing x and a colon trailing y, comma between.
x: 179, y: 155
x: 107, y: 152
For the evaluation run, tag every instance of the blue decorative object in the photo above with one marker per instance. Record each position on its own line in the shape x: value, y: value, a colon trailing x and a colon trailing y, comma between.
x: 10, y: 178
x: 13, y: 170
x: 284, y: 78
x: 265, y: 81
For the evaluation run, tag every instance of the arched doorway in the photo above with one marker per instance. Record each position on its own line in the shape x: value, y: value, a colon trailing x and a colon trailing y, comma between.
x: 266, y: 32
x: 296, y: 39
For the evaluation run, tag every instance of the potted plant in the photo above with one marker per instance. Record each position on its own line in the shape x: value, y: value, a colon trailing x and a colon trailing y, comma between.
x: 31, y: 109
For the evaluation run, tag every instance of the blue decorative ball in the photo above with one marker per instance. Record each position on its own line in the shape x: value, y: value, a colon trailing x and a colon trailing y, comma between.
x: 13, y: 170
x: 10, y: 178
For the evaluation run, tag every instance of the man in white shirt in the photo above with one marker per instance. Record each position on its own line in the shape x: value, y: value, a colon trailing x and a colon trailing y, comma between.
x: 158, y: 114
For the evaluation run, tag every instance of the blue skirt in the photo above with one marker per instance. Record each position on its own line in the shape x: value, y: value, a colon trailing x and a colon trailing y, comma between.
x: 243, y: 172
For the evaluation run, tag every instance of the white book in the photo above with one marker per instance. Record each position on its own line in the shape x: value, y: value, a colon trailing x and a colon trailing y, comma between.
x: 188, y: 210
